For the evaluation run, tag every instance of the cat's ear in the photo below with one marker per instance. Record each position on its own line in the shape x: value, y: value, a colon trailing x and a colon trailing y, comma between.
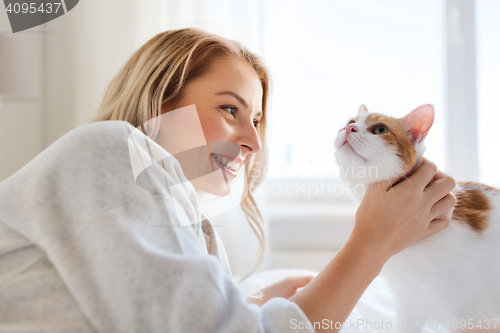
x: 419, y: 121
x: 362, y: 110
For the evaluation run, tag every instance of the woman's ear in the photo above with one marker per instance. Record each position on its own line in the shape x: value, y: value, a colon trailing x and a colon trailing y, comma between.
x: 419, y: 122
x: 362, y: 110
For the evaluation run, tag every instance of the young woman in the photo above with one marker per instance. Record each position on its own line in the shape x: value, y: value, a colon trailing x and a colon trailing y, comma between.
x: 88, y: 245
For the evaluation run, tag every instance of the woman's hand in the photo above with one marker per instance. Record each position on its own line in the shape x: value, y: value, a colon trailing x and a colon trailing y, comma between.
x: 284, y: 288
x: 391, y: 218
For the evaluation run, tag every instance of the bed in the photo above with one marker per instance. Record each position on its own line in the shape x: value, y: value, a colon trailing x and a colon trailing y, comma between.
x: 374, y: 312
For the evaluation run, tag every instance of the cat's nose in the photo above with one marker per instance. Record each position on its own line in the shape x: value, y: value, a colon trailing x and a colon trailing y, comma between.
x: 351, y: 128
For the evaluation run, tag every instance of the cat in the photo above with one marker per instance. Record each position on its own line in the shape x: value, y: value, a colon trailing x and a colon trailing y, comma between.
x: 452, y: 276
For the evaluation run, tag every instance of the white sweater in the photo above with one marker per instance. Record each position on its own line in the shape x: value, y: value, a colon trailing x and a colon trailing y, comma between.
x: 86, y: 248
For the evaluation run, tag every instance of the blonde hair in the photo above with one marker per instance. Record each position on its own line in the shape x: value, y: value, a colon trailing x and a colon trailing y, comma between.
x: 158, y: 72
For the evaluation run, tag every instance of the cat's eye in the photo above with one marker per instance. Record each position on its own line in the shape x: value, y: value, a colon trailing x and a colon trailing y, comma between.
x: 380, y: 129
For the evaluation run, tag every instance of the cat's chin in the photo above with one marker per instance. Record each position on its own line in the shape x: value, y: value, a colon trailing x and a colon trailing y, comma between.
x: 358, y: 176
x: 349, y: 162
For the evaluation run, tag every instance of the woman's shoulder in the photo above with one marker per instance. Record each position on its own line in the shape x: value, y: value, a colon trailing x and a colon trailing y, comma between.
x: 109, y: 141
x: 102, y: 133
x: 92, y: 169
x: 95, y: 149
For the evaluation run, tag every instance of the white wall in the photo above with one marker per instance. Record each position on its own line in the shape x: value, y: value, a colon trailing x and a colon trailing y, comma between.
x: 73, y: 58
x: 21, y: 105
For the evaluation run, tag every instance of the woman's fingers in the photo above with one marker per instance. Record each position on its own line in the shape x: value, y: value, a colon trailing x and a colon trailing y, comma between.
x: 444, y: 205
x: 418, y: 180
x: 438, y: 224
x: 284, y: 288
x: 424, y: 174
x: 441, y: 186
x: 442, y: 212
x: 300, y: 281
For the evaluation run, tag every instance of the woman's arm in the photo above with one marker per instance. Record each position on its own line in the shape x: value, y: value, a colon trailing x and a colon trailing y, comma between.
x: 389, y: 219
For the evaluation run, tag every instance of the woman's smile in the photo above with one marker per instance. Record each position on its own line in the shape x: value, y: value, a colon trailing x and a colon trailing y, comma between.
x: 229, y: 164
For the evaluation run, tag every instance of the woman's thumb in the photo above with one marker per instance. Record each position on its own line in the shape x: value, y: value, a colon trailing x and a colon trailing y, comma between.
x: 301, y: 281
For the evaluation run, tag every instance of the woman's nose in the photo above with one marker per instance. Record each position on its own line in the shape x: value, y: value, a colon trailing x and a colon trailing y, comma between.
x: 249, y: 140
x: 351, y: 128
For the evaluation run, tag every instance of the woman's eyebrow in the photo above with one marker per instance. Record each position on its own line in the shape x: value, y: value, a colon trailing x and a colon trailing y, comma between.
x: 235, y: 95
x: 238, y: 97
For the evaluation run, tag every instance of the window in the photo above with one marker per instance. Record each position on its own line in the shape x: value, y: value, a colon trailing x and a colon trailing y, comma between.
x: 329, y: 57
x: 326, y: 59
x: 488, y: 72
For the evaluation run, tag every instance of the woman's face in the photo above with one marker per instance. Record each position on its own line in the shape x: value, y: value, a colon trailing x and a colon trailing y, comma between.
x: 228, y: 100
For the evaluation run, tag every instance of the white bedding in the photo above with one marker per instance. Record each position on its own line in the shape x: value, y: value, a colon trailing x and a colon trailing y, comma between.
x: 374, y: 312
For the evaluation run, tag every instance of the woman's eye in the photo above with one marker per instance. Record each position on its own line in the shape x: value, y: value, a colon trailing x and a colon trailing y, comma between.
x: 256, y: 123
x: 380, y: 129
x: 230, y: 109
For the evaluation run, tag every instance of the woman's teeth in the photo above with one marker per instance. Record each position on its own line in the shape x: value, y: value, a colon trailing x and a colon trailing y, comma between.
x: 227, y: 163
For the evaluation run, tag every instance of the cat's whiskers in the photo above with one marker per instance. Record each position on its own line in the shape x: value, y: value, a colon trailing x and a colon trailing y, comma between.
x: 324, y: 150
x: 327, y: 146
x: 327, y: 149
x: 355, y: 144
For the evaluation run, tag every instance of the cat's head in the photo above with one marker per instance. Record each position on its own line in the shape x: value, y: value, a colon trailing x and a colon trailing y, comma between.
x: 373, y: 147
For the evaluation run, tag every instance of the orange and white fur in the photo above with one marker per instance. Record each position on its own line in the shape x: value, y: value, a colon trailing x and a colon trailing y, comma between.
x: 453, y: 274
